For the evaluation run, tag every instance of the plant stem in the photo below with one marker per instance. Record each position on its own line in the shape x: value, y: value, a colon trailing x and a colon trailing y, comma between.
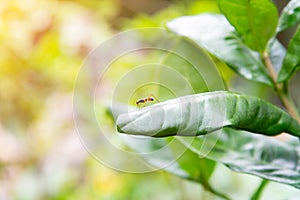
x: 289, y: 104
x: 270, y: 67
x: 281, y: 89
x: 259, y: 190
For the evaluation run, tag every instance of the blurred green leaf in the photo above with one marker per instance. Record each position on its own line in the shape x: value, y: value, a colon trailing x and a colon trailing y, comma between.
x: 258, y: 155
x: 291, y: 62
x: 195, y: 65
x: 198, y: 169
x: 250, y: 18
x: 207, y: 112
x: 260, y: 190
x: 277, y: 53
x: 171, y: 155
x: 290, y: 16
x: 215, y: 34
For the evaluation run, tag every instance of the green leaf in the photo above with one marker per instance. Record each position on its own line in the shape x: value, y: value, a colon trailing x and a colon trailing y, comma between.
x: 262, y: 156
x: 175, y: 157
x: 171, y: 155
x: 168, y: 154
x: 207, y: 112
x: 290, y: 16
x: 291, y: 62
x: 255, y: 20
x: 216, y: 35
x: 277, y: 53
x: 194, y: 64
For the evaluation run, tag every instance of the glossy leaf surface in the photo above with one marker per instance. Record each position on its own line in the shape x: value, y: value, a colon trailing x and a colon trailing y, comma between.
x: 290, y: 15
x: 291, y: 62
x: 255, y: 20
x: 262, y: 156
x: 207, y: 112
x: 216, y: 35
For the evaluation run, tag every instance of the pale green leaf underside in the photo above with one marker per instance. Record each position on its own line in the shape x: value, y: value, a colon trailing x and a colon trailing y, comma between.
x: 216, y: 35
x: 207, y: 112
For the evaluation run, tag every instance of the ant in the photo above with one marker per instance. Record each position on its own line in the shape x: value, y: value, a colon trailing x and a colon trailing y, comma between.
x: 145, y: 100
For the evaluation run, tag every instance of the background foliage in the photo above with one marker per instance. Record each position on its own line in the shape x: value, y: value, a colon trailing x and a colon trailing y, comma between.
x: 43, y: 44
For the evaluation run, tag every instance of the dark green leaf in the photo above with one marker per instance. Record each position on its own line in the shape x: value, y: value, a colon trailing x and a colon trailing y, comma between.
x: 215, y: 34
x: 204, y: 113
x: 262, y: 156
x: 290, y: 16
x: 291, y: 62
x: 255, y: 20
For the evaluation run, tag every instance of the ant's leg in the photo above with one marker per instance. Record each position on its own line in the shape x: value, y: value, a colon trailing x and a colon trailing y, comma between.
x: 144, y: 104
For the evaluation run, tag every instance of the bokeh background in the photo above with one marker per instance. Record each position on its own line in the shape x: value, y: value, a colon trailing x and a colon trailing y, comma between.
x: 43, y: 44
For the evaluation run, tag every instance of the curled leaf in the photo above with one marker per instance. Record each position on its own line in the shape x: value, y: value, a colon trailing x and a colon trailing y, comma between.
x: 207, y: 112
